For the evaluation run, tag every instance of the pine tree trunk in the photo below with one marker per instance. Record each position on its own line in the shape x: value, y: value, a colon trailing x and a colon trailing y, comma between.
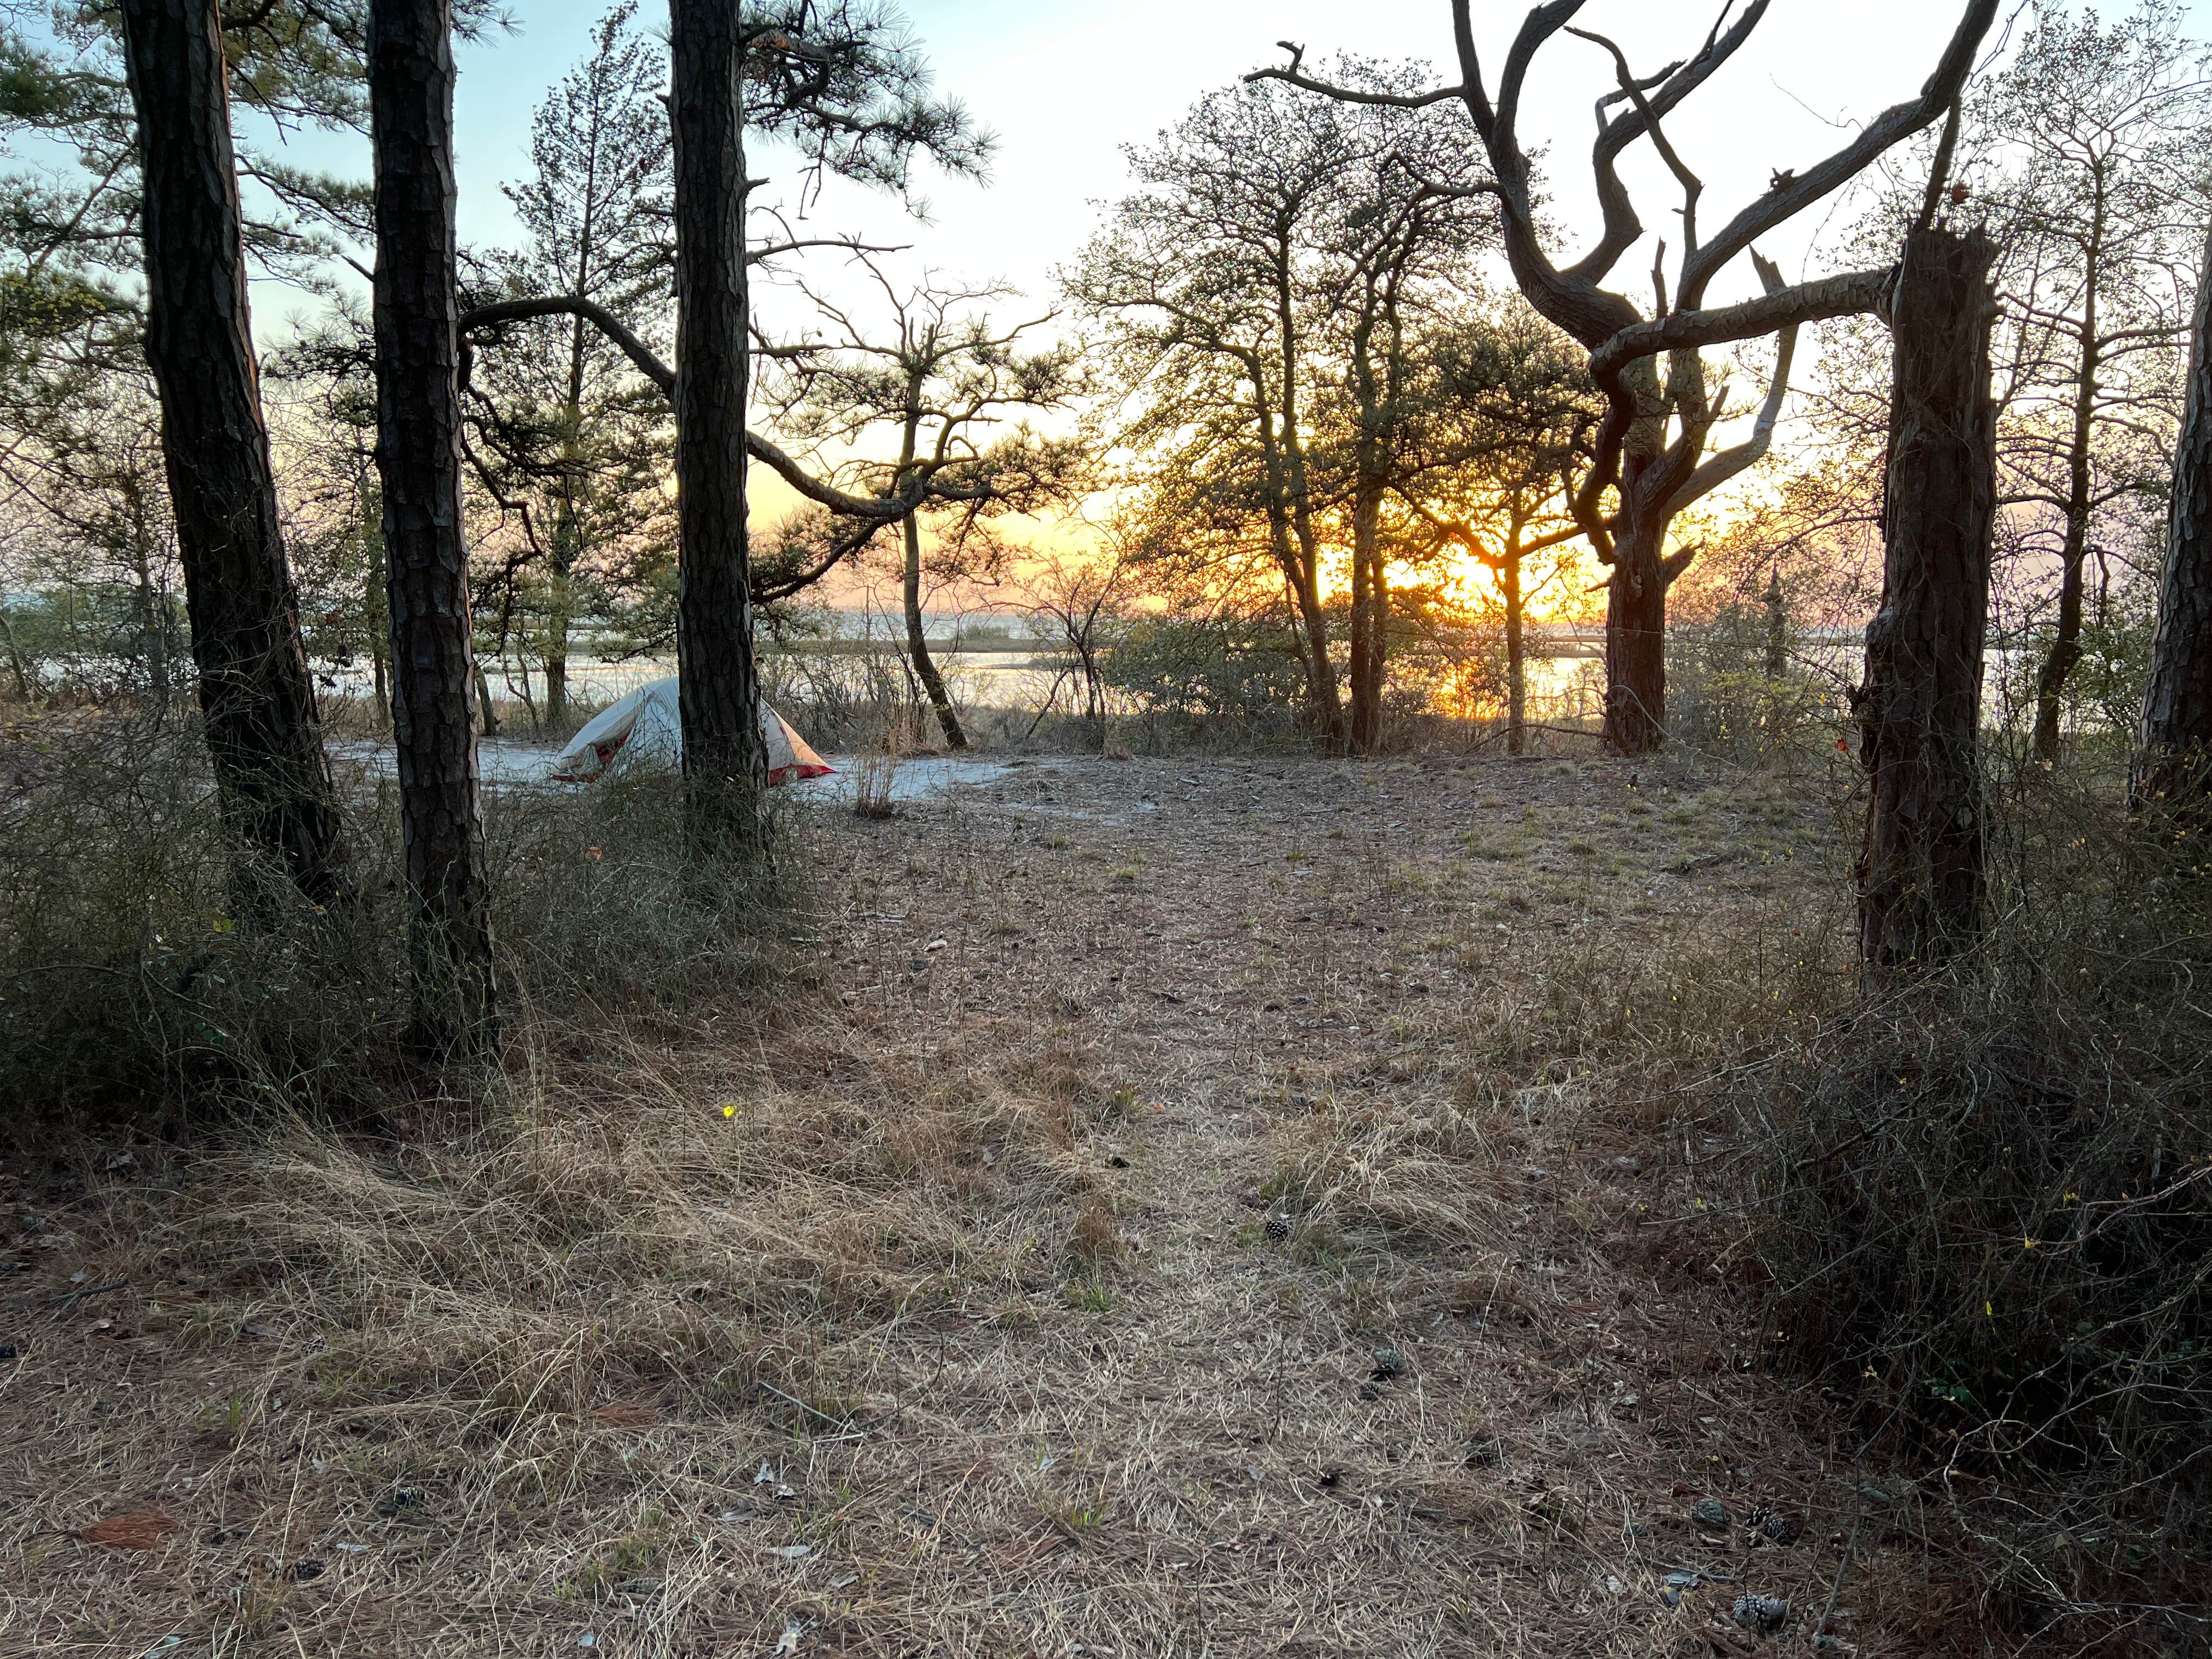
x: 418, y: 454
x: 2065, y: 654
x: 1369, y: 617
x: 725, y: 754
x: 257, y: 698
x: 1778, y: 627
x: 2073, y: 557
x: 560, y: 603
x: 561, y: 590
x: 1920, y: 875
x: 2174, y: 768
x: 556, y: 675
x: 917, y: 639
x: 376, y: 607
x: 1516, y: 664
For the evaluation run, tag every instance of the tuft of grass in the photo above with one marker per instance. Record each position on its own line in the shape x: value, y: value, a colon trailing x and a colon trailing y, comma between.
x: 1985, y: 1202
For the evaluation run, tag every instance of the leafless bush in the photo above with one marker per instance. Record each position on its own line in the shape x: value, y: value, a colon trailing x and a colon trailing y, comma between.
x: 875, y: 769
x: 1734, y: 693
x: 842, y: 700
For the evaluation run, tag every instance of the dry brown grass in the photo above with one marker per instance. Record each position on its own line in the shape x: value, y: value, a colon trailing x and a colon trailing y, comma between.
x: 926, y: 1307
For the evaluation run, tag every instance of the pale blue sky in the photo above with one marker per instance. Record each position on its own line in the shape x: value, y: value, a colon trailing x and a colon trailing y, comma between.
x: 1066, y: 85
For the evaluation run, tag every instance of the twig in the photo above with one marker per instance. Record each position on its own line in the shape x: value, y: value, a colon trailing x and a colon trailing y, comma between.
x: 68, y: 1297
x: 843, y: 1426
x: 1858, y: 1509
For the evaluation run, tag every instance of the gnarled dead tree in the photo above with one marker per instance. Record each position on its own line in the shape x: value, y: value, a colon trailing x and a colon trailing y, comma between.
x: 1651, y: 460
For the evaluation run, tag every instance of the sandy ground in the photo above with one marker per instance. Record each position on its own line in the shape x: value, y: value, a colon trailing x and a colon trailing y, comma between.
x: 1202, y: 1207
x: 919, y: 779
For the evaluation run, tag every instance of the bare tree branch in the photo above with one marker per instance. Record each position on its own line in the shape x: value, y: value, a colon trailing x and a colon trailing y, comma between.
x: 517, y: 311
x: 878, y: 509
x: 1845, y: 295
x: 1809, y: 185
x: 1717, y: 470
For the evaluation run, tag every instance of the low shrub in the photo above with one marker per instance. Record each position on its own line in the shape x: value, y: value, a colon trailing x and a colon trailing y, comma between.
x: 1734, y: 692
x: 1985, y: 1203
x: 135, y: 971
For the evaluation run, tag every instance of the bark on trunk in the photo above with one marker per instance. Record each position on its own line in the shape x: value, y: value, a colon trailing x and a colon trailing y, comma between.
x: 1636, y: 592
x: 557, y: 681
x: 725, y: 756
x: 1920, y: 875
x: 2175, y: 769
x: 418, y: 454
x: 1517, y: 665
x: 2066, y: 644
x: 917, y: 640
x: 1324, y: 702
x: 1370, y: 611
x: 1778, y: 627
x: 257, y: 697
x: 1636, y: 640
x: 486, y: 709
x: 2065, y: 655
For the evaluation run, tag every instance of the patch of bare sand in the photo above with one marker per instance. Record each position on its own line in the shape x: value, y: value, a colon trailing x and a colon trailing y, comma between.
x: 1176, y: 1207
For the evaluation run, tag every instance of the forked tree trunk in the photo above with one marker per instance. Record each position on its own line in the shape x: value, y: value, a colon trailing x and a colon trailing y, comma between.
x: 725, y: 754
x: 1324, y: 703
x: 2175, y: 769
x: 917, y: 639
x: 418, y: 454
x: 567, y: 530
x: 1920, y: 874
x: 258, y: 700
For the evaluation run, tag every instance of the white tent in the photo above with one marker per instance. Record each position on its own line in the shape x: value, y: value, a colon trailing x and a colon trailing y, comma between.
x: 644, y: 726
